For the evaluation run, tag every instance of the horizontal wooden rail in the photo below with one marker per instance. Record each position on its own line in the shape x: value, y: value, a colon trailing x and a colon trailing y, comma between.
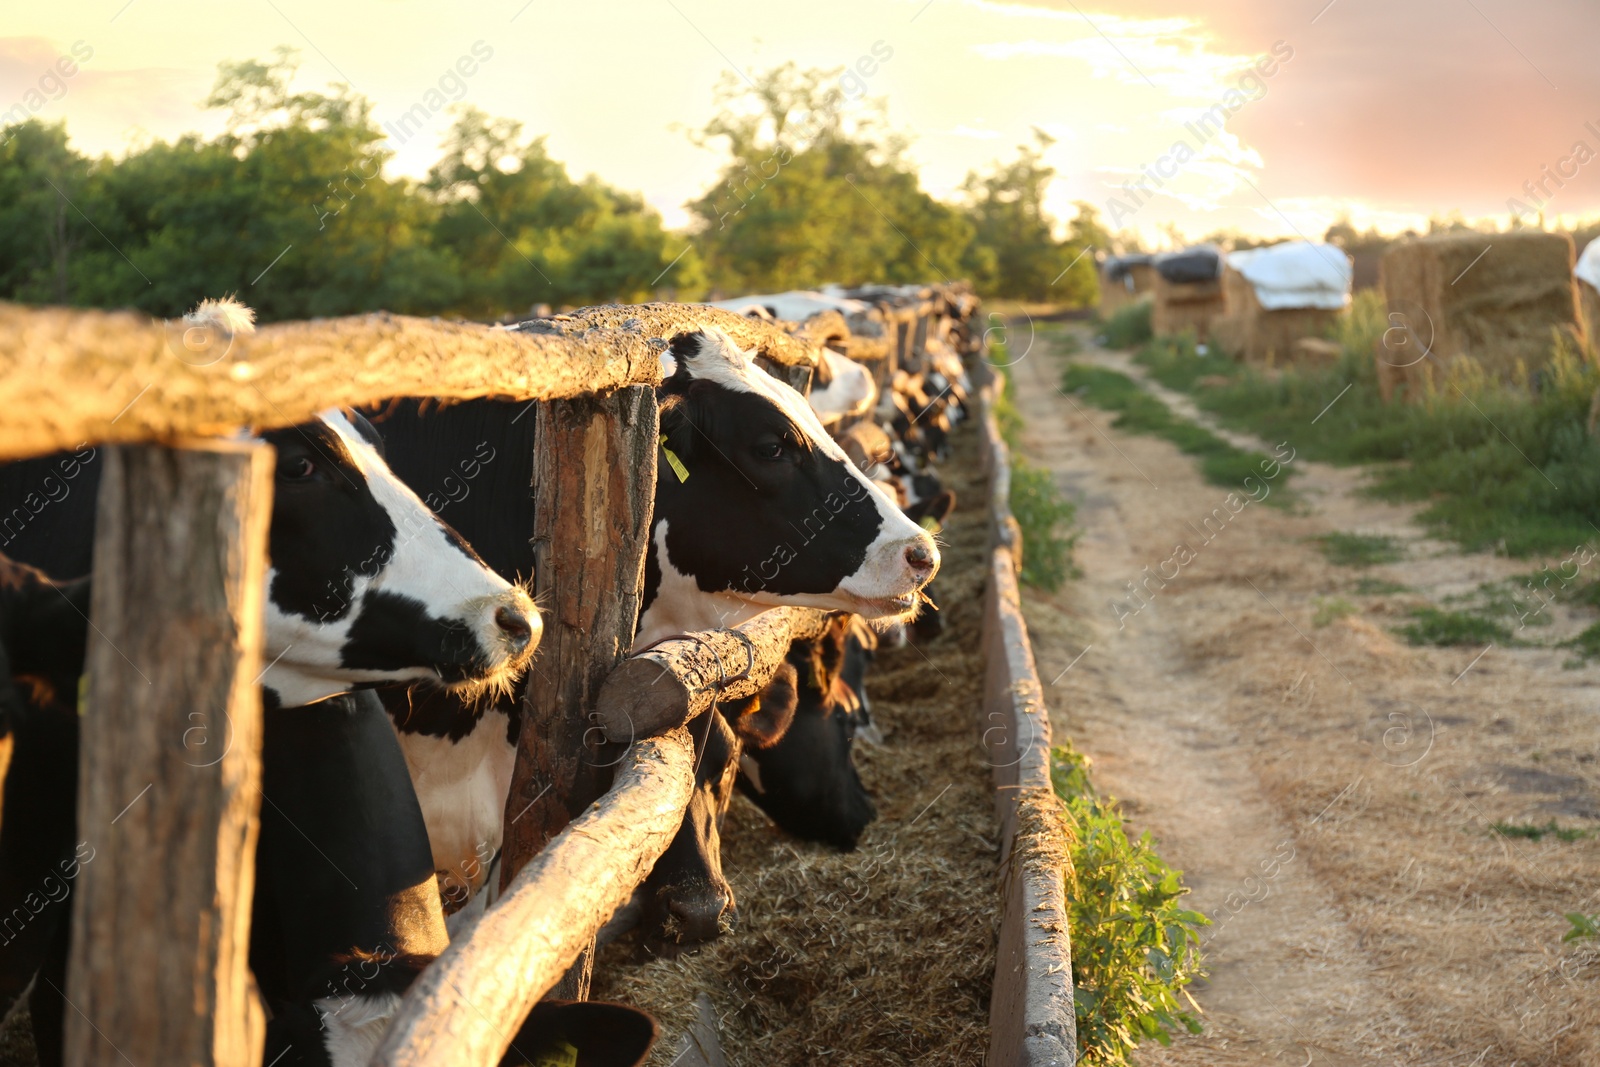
x: 465, y: 1009
x: 69, y: 376
x: 677, y: 679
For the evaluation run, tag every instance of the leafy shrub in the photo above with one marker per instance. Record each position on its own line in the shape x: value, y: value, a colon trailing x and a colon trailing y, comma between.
x: 1044, y: 517
x: 1134, y: 946
x: 1128, y: 326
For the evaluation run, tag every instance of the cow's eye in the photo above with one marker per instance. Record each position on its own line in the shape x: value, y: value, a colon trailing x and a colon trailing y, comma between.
x: 298, y: 469
x: 769, y: 450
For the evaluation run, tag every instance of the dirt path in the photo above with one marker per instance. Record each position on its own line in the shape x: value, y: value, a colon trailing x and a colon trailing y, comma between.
x: 1327, y: 789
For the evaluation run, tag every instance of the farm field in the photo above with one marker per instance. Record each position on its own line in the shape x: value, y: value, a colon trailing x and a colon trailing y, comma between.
x: 1367, y: 823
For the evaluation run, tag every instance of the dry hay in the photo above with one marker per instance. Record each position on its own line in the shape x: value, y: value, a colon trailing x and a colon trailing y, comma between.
x: 884, y: 955
x: 1392, y: 777
x: 1246, y: 330
x: 1181, y: 306
x: 1115, y: 295
x: 1496, y: 299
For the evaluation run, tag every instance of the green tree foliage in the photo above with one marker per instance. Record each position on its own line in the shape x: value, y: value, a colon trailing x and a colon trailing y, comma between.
x: 524, y: 231
x: 815, y: 190
x: 290, y: 209
x: 1014, y: 251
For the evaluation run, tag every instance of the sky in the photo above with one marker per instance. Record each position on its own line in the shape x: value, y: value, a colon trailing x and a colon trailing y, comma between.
x: 1386, y: 111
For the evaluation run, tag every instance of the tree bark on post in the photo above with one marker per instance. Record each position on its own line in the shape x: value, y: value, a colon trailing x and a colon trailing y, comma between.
x: 169, y: 763
x: 594, y: 492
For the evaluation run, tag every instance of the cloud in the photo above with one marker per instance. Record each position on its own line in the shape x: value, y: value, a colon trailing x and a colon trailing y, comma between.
x: 1426, y: 105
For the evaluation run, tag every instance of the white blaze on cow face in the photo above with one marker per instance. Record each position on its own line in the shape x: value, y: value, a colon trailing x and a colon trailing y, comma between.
x: 894, y: 564
x: 373, y: 587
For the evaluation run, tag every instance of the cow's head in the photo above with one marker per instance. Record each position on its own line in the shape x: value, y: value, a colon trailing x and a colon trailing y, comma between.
x: 806, y: 781
x: 367, y: 585
x: 842, y: 388
x: 756, y: 506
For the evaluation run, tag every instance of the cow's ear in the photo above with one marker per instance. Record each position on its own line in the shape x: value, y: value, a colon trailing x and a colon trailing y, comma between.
x: 764, y: 721
x: 369, y: 433
x: 685, y: 346
x: 679, y: 419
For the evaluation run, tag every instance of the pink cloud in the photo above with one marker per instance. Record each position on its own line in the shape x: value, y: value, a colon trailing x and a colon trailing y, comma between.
x: 1427, y: 105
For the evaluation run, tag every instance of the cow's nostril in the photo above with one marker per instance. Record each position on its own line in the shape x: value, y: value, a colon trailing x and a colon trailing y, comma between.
x: 919, y: 557
x: 515, y: 625
x: 698, y: 916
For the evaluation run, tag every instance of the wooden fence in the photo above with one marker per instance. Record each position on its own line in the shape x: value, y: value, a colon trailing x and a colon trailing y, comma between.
x: 176, y: 636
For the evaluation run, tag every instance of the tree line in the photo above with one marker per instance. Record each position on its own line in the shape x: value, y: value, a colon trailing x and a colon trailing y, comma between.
x: 290, y: 209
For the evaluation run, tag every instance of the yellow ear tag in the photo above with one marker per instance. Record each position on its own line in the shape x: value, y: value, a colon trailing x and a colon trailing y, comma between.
x: 674, y: 462
x: 930, y: 524
x: 561, y: 1054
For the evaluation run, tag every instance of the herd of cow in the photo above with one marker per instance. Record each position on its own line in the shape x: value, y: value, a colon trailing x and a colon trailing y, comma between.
x: 396, y: 636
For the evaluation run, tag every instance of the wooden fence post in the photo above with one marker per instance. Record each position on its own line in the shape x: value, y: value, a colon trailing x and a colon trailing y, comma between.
x: 169, y: 766
x: 594, y: 492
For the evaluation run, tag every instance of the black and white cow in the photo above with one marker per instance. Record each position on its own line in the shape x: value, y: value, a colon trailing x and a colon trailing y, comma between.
x: 348, y: 912
x: 806, y: 781
x: 755, y: 507
x: 42, y: 636
x: 365, y: 585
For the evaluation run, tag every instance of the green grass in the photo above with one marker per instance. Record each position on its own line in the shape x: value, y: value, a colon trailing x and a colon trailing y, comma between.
x: 1434, y: 626
x: 1045, y: 518
x: 1583, y: 926
x: 1511, y: 468
x: 1587, y: 645
x: 1128, y: 326
x: 1139, y: 412
x: 1534, y: 832
x: 1006, y: 415
x: 1332, y: 609
x: 1368, y: 586
x: 1134, y: 946
x: 1043, y: 515
x: 1360, y: 550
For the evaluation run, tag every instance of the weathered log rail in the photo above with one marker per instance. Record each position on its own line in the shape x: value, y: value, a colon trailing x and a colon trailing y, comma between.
x: 1031, y: 1016
x: 110, y: 377
x: 160, y: 394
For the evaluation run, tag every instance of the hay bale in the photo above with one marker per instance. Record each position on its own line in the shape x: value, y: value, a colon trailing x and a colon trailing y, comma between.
x: 1587, y: 272
x: 1496, y: 299
x: 1589, y: 303
x: 1181, y: 306
x: 1187, y: 294
x: 1278, y: 296
x: 1398, y: 377
x: 1123, y: 281
x: 1315, y: 352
